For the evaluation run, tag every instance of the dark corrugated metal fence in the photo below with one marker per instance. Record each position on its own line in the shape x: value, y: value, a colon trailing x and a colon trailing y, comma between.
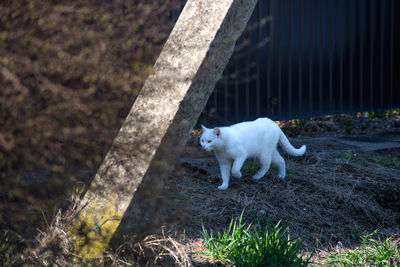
x: 308, y: 58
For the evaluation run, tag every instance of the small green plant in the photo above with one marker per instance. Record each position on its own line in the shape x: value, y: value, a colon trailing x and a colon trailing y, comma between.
x: 242, y: 244
x: 372, y: 252
x: 346, y: 155
x: 250, y: 167
x: 377, y: 114
x: 386, y: 160
x: 383, y: 113
x: 300, y: 122
x: 348, y: 125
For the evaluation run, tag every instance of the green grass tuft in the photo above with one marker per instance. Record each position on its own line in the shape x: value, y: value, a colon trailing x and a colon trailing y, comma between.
x: 391, y: 161
x: 250, y: 167
x: 347, y: 124
x: 242, y: 244
x: 372, y: 252
x: 10, y: 246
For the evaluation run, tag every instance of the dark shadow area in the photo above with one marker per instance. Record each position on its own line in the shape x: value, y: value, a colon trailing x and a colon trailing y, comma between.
x: 69, y: 73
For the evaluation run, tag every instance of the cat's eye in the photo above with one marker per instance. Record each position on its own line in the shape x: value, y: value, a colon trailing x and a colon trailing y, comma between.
x: 209, y: 141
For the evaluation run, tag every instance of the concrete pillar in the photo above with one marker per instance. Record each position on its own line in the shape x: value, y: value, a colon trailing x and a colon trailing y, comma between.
x: 167, y: 108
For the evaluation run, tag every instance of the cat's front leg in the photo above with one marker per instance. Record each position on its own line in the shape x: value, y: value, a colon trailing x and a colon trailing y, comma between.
x: 237, y: 165
x: 225, y: 167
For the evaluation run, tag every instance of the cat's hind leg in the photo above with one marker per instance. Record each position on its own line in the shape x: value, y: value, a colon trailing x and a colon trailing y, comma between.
x: 278, y: 161
x: 265, y: 162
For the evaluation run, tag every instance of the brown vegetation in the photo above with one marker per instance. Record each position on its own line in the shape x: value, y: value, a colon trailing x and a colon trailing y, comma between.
x: 69, y: 73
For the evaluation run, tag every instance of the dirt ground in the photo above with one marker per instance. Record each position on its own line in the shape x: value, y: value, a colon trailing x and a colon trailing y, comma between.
x: 347, y: 184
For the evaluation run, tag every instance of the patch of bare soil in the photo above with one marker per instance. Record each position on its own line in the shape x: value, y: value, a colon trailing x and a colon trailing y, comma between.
x: 337, y: 191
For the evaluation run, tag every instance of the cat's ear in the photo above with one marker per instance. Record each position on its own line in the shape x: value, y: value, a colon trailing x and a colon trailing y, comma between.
x: 203, y: 127
x: 217, y: 132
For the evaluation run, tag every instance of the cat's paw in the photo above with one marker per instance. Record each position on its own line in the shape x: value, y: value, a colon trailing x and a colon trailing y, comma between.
x: 237, y: 174
x: 281, y: 176
x: 257, y: 176
x: 260, y: 174
x: 223, y: 187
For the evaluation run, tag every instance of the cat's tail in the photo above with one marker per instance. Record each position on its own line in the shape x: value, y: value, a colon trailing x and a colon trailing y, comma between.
x: 287, y: 146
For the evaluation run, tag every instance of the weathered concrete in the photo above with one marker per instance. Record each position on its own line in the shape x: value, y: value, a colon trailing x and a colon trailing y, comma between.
x: 158, y: 124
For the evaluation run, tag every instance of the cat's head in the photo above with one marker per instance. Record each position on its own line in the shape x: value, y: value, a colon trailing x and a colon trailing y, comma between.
x: 211, y: 138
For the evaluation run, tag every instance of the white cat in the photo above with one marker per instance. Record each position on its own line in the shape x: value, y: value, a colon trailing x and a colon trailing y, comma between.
x: 253, y: 139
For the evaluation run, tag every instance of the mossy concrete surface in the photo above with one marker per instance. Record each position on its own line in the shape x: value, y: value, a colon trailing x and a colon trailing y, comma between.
x: 90, y: 235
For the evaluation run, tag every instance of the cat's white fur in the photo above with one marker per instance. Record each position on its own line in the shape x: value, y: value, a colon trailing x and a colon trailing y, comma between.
x: 253, y: 139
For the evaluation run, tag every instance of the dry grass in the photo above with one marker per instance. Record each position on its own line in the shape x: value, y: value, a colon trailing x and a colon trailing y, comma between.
x: 166, y: 248
x: 53, y: 247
